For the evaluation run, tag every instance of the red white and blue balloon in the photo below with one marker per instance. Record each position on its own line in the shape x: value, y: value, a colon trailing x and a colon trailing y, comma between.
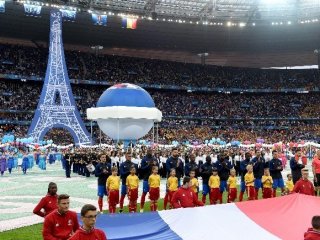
x: 125, y: 111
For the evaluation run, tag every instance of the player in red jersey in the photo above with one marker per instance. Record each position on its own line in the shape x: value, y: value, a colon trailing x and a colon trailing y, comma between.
x: 49, y: 202
x: 61, y: 223
x: 304, y: 185
x: 314, y: 232
x: 185, y: 197
x: 87, y: 230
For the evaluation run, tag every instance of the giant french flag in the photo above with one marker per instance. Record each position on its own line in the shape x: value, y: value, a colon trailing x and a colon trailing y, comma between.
x: 285, y: 218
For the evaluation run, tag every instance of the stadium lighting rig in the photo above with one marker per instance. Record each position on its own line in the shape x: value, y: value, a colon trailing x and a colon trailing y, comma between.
x: 72, y: 8
x: 228, y: 13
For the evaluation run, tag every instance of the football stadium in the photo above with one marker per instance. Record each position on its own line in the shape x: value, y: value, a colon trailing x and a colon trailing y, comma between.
x: 159, y: 119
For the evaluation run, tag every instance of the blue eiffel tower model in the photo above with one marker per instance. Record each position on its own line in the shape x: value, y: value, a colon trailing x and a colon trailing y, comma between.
x: 63, y: 113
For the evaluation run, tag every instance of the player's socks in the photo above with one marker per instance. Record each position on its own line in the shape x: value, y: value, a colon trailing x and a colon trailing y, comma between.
x: 122, y: 201
x: 142, y: 200
x: 241, y: 196
x: 100, y: 203
x: 256, y: 194
x: 204, y: 199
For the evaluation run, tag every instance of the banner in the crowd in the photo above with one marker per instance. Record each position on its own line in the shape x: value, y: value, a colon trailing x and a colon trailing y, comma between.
x: 266, y: 219
x: 99, y: 19
x: 68, y: 15
x: 32, y: 10
x: 2, y: 6
x: 129, y: 23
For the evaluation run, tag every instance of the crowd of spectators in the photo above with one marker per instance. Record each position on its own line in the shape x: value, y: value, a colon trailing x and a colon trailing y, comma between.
x: 192, y: 134
x: 187, y: 116
x: 16, y: 95
x: 29, y: 61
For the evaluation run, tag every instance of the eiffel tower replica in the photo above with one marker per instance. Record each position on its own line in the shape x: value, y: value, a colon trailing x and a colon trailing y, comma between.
x: 57, y: 108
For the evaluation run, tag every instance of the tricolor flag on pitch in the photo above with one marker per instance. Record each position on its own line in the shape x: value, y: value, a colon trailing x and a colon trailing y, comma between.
x: 130, y: 23
x: 285, y: 218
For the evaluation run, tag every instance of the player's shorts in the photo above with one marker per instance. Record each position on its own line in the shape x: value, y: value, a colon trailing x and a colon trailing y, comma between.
x: 102, y: 191
x: 145, y: 186
x: 267, y: 192
x: 242, y: 186
x: 223, y: 186
x: 113, y: 198
x: 205, y: 189
x: 317, y: 183
x: 232, y: 194
x: 154, y: 194
x: 278, y: 183
x: 123, y: 189
x: 133, y: 194
x: 257, y: 183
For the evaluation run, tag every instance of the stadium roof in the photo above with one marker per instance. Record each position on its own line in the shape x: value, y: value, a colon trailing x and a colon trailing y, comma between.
x: 236, y: 10
x: 260, y: 45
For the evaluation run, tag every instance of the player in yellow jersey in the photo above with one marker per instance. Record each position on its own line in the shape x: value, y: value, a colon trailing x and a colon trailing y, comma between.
x: 194, y: 181
x: 154, y: 188
x: 113, y: 185
x: 249, y: 181
x: 132, y: 184
x: 232, y: 186
x: 172, y: 187
x: 214, y: 185
x: 267, y: 182
x: 289, y: 184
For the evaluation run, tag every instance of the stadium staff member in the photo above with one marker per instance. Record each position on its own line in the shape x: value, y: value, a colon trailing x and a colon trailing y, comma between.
x: 304, y: 185
x: 48, y: 203
x: 87, y: 230
x: 185, y: 197
x: 60, y: 224
x: 316, y: 172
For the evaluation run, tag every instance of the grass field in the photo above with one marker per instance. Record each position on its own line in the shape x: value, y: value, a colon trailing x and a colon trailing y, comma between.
x: 34, y: 232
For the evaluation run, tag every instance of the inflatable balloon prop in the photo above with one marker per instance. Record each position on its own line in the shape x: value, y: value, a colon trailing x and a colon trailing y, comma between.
x: 125, y: 112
